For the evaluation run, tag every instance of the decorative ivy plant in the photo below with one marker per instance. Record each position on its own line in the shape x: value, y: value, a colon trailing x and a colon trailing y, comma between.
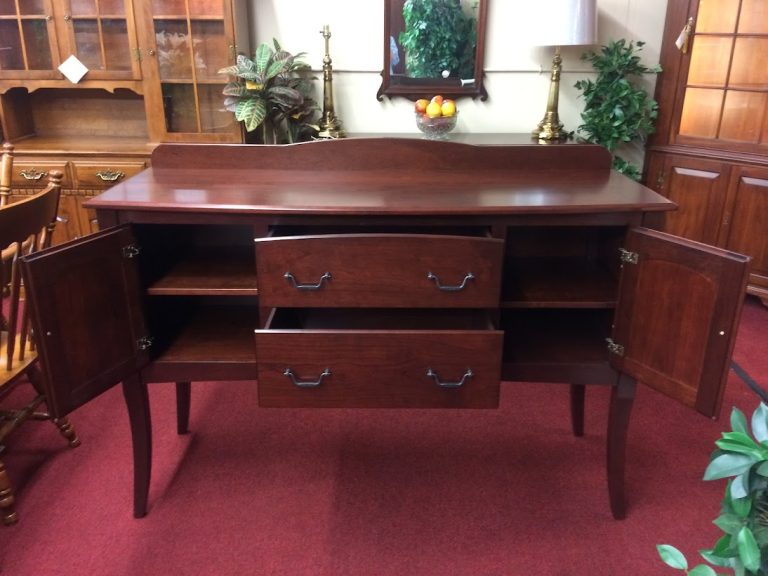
x: 616, y: 110
x: 438, y: 36
x: 743, y: 458
x: 272, y: 91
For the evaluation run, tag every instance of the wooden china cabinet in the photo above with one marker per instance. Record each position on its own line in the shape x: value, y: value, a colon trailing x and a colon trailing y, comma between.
x: 710, y: 152
x: 151, y: 77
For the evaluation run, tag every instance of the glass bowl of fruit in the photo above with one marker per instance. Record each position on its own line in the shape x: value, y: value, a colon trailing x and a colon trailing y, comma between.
x: 436, y: 118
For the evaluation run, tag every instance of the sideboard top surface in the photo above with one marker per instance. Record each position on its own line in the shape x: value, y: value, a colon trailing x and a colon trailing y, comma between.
x: 381, y: 176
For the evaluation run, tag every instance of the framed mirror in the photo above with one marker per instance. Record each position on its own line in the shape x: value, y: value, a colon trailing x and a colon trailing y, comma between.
x: 433, y: 47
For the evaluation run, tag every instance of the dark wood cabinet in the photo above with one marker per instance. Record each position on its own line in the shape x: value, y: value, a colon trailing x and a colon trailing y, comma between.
x: 709, y: 152
x: 423, y: 277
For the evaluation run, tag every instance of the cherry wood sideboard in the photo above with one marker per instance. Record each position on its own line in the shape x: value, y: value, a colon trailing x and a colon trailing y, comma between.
x: 384, y: 273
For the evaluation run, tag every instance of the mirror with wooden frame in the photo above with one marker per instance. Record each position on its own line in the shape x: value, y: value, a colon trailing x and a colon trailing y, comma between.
x: 433, y: 47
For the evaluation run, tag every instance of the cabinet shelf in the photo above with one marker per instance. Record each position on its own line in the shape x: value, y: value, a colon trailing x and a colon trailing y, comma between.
x: 209, y: 272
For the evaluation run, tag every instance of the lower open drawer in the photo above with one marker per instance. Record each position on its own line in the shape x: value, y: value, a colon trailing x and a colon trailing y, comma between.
x: 379, y: 359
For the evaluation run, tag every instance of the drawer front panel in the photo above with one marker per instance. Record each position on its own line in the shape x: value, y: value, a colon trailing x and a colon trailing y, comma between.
x: 387, y: 270
x: 104, y: 174
x: 379, y: 369
x: 33, y: 174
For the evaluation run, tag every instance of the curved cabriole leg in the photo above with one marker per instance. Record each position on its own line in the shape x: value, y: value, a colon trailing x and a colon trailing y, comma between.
x: 68, y: 431
x: 183, y: 399
x: 577, y: 409
x: 7, y: 499
x: 137, y: 401
x: 622, y: 396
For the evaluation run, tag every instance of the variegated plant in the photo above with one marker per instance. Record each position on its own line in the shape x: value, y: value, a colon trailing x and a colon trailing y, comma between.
x: 272, y: 91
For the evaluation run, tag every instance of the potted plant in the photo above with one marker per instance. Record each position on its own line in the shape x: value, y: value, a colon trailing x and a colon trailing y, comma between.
x: 438, y: 37
x: 617, y: 111
x: 742, y: 457
x: 272, y: 92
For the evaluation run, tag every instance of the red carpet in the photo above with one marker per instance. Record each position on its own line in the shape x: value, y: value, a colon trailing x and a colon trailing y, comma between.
x: 334, y: 493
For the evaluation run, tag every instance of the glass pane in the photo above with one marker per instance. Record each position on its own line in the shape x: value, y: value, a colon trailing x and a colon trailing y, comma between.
x: 717, y: 16
x: 116, y: 46
x: 7, y: 8
x: 211, y: 49
x: 179, y: 104
x: 38, y: 48
x: 213, y: 116
x: 173, y: 50
x: 207, y: 8
x: 701, y: 112
x: 31, y: 7
x: 11, y: 57
x: 709, y: 61
x: 742, y: 116
x: 168, y: 7
x: 112, y: 7
x: 754, y: 17
x: 749, y: 68
x: 87, y: 45
x: 83, y: 7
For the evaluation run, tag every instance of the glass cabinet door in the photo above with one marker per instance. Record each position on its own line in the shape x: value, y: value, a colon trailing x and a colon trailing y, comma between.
x: 726, y: 91
x: 101, y: 36
x: 28, y: 43
x: 193, y: 40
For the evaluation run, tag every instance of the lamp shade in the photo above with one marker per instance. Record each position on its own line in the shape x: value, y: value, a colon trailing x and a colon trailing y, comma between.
x: 566, y: 23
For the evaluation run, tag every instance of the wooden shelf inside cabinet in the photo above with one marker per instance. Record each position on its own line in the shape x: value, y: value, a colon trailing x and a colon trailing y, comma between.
x: 220, y: 272
x: 557, y: 345
x: 558, y: 283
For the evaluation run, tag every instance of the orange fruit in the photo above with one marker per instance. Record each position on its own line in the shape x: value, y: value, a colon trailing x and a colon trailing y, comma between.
x: 421, y: 105
x: 434, y: 110
x: 448, y: 108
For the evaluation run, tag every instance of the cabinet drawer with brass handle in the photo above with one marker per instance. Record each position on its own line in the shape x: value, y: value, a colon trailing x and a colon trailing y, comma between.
x: 35, y: 174
x: 386, y: 270
x: 379, y: 359
x: 104, y: 174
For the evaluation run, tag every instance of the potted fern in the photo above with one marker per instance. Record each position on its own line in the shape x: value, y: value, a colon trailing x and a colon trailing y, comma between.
x: 272, y: 92
x: 617, y: 111
x: 742, y: 458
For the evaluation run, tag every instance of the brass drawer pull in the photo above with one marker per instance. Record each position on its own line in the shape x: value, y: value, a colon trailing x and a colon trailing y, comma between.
x: 33, y: 174
x: 306, y: 383
x: 110, y: 175
x: 458, y: 288
x: 292, y: 279
x: 467, y: 375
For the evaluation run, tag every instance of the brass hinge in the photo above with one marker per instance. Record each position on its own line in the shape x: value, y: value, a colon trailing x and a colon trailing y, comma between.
x: 137, y: 54
x: 629, y: 257
x: 660, y: 181
x: 144, y: 342
x: 615, y: 348
x: 131, y: 251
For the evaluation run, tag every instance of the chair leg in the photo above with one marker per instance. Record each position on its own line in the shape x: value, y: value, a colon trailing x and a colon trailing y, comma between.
x: 7, y: 500
x: 67, y: 430
x: 577, y: 409
x: 183, y: 398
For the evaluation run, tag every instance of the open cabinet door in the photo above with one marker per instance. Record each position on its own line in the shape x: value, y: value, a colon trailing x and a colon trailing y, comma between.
x: 676, y: 319
x: 86, y: 309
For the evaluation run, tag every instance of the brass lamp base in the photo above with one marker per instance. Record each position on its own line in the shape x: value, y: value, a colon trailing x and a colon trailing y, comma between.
x: 330, y: 127
x: 550, y: 128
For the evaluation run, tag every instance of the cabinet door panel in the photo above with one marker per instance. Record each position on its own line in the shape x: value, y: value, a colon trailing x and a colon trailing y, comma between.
x: 89, y: 280
x: 748, y: 222
x: 677, y: 316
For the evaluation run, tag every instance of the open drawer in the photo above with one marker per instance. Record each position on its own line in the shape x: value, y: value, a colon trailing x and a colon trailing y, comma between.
x: 379, y: 359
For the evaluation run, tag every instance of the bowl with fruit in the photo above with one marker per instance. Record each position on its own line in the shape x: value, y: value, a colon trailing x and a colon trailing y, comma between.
x: 437, y: 117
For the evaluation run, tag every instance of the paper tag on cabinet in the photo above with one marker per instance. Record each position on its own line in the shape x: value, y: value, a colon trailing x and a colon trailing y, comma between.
x: 73, y: 69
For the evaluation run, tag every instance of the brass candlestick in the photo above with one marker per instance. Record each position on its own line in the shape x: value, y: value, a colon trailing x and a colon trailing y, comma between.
x: 330, y: 125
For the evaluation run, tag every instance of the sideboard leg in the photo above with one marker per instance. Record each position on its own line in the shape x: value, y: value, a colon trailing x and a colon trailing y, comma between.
x: 622, y: 396
x: 183, y: 399
x: 137, y: 401
x: 577, y: 409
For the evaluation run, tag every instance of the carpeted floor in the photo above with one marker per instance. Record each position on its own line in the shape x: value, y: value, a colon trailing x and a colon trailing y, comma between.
x: 334, y: 493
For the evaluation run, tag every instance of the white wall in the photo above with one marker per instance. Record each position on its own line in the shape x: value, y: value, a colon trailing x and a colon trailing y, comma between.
x: 517, y: 78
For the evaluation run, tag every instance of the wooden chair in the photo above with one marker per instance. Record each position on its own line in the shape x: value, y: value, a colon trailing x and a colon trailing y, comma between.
x: 25, y: 227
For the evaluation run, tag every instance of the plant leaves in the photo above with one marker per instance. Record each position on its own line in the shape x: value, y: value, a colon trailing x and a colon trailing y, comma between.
x: 702, y: 570
x: 729, y: 523
x: 748, y: 550
x: 741, y: 506
x: 739, y: 487
x: 738, y: 421
x: 742, y: 443
x: 760, y: 423
x: 726, y: 465
x: 671, y: 556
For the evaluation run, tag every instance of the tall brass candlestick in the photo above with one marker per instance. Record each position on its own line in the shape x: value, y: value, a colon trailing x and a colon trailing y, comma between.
x: 330, y: 125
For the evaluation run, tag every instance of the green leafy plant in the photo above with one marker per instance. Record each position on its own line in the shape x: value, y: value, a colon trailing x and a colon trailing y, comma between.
x: 616, y: 110
x: 743, y: 459
x: 272, y: 91
x: 438, y: 36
